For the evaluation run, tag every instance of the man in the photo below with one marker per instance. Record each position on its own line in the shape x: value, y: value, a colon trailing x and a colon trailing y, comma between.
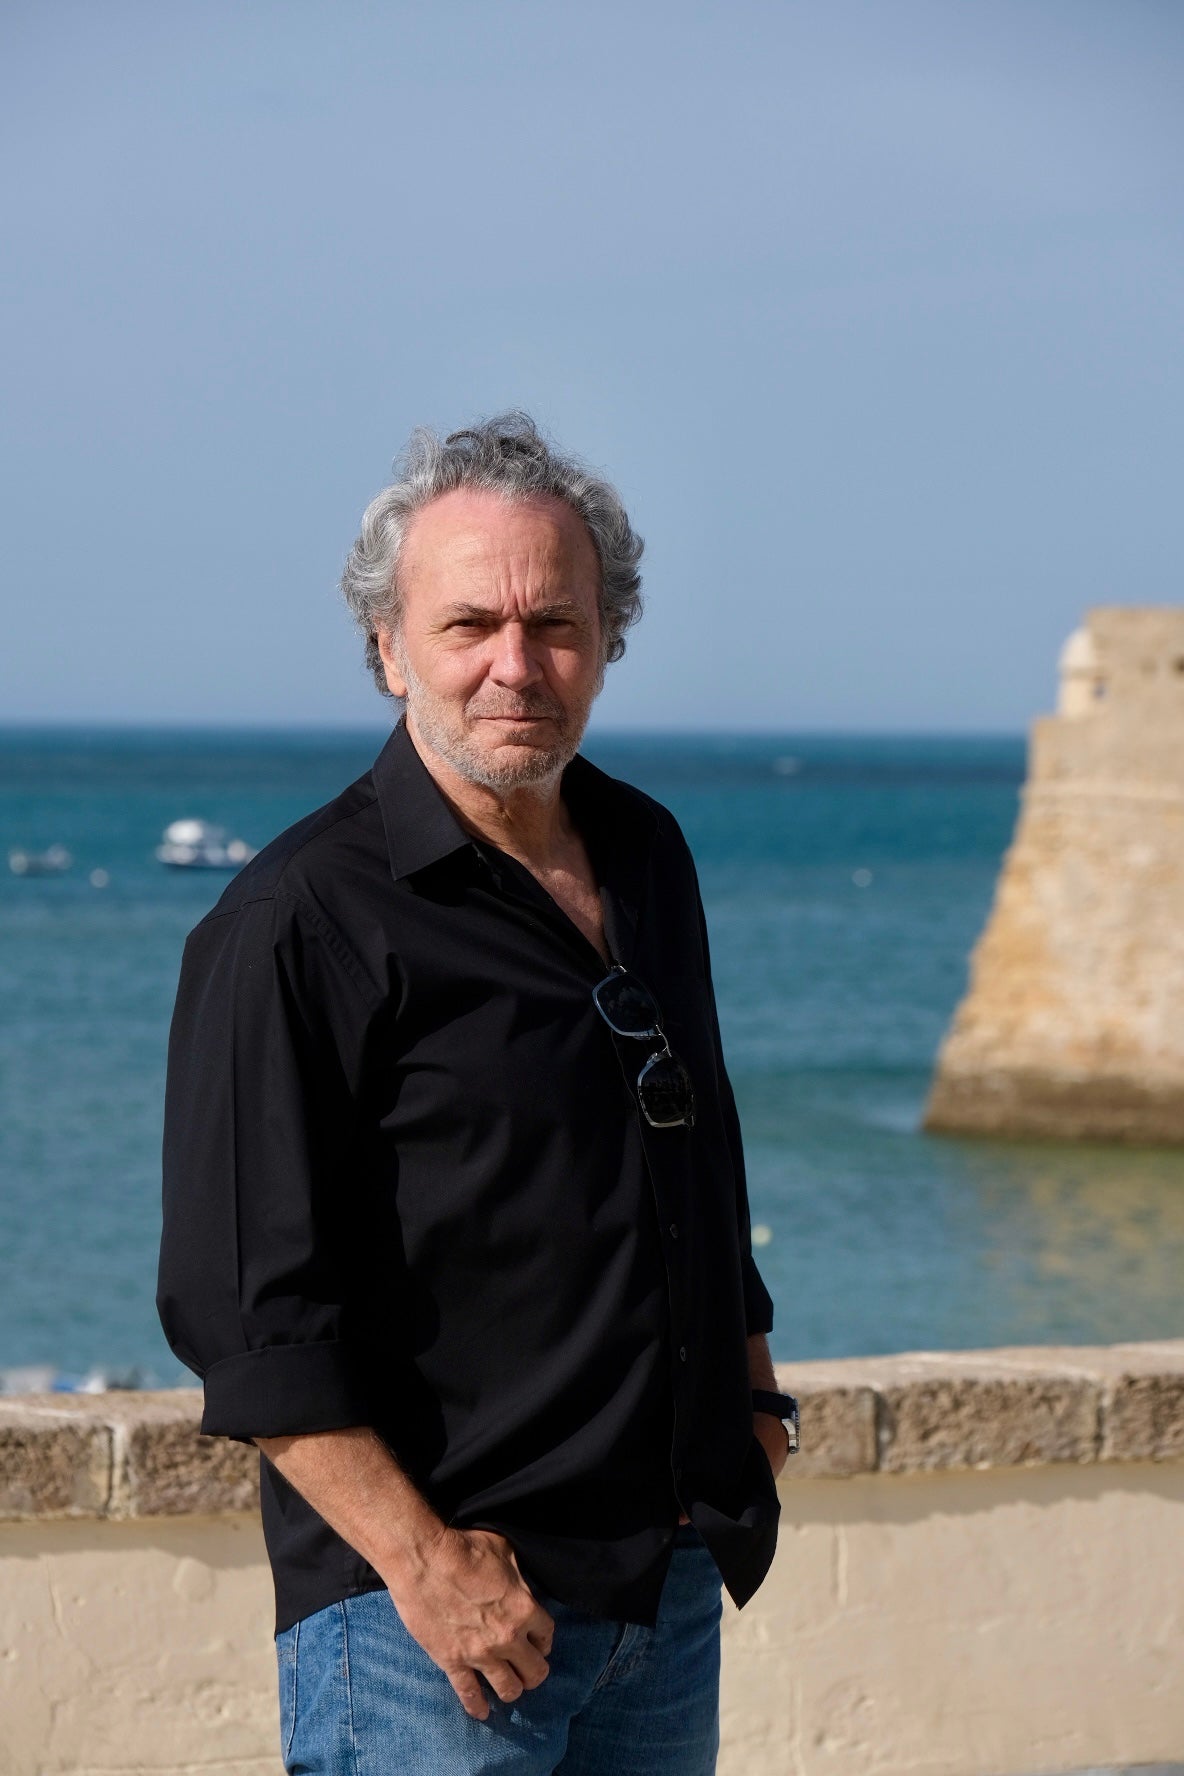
x: 455, y: 1217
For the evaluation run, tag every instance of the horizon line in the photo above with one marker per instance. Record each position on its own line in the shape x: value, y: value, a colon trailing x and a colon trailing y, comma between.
x: 81, y: 725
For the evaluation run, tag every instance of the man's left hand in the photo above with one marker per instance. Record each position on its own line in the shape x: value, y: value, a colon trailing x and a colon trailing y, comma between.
x: 774, y: 1439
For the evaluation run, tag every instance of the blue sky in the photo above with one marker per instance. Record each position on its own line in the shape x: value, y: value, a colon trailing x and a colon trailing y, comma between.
x: 871, y: 310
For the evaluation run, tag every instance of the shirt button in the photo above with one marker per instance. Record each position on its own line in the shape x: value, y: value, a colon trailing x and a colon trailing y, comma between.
x: 682, y: 1353
x: 674, y: 1230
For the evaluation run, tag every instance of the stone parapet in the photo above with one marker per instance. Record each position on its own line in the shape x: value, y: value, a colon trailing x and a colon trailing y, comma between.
x: 117, y: 1455
x: 140, y: 1455
x: 1006, y: 1408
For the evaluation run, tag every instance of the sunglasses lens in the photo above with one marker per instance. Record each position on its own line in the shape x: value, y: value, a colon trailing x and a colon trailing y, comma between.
x: 628, y: 1005
x: 664, y: 1089
x: 665, y: 1093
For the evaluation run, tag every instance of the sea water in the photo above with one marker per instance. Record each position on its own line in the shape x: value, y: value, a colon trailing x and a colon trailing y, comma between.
x: 845, y: 880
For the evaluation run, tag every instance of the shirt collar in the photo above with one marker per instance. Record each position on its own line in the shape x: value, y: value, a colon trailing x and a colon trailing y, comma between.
x: 420, y: 826
x: 618, y: 827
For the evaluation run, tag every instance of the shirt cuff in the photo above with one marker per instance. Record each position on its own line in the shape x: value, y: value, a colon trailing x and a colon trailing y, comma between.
x: 758, y: 1303
x: 282, y: 1390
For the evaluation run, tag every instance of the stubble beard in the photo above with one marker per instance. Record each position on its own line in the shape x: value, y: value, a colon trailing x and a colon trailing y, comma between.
x: 528, y: 764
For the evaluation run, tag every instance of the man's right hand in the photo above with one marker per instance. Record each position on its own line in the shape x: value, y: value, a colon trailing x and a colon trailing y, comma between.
x: 472, y: 1612
x: 458, y: 1591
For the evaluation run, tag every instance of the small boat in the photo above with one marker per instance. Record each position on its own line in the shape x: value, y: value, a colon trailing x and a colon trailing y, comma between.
x: 53, y: 862
x: 197, y: 844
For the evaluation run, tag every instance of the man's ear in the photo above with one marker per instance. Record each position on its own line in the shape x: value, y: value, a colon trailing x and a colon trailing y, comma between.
x: 396, y: 684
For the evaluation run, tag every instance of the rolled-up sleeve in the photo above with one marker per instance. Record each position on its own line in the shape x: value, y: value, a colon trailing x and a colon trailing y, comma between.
x: 260, y: 1140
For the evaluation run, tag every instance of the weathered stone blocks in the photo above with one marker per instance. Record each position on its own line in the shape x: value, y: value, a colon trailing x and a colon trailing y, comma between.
x: 53, y: 1463
x: 119, y: 1455
x: 1012, y: 1407
x: 838, y: 1428
x: 1072, y: 1026
x: 128, y: 1455
x: 170, y: 1471
x: 1143, y: 1404
x: 981, y: 1421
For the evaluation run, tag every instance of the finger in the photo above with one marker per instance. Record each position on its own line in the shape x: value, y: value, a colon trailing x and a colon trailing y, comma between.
x: 539, y: 1629
x: 529, y: 1663
x: 502, y: 1679
x: 472, y: 1696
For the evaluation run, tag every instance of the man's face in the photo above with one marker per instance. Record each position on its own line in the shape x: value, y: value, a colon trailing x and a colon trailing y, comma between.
x: 498, y: 652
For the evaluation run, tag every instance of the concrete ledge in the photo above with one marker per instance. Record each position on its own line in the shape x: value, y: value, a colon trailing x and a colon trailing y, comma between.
x: 53, y: 1462
x: 119, y: 1455
x: 981, y: 1569
x: 1013, y: 1407
x: 126, y: 1455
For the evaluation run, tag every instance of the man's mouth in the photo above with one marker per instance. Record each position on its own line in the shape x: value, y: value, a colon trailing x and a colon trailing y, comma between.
x: 523, y: 718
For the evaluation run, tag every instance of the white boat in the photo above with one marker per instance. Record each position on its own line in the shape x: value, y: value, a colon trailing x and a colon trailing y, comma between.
x: 198, y: 844
x: 53, y: 862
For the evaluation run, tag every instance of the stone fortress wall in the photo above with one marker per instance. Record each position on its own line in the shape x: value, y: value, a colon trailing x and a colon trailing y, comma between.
x: 1073, y: 1024
x: 980, y: 1573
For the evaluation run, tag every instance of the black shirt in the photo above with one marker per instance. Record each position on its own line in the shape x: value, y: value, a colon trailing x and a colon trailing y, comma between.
x: 407, y: 1184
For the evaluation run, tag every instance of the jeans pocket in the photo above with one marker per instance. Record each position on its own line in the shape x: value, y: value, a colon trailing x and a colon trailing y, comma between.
x: 287, y: 1647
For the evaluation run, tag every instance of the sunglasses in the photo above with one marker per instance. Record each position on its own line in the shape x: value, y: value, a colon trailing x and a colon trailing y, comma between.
x: 664, y: 1088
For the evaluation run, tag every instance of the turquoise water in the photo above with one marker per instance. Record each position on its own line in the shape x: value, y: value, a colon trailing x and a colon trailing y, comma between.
x: 845, y: 880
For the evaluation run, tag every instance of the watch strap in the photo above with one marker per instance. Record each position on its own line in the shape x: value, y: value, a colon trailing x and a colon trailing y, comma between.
x: 782, y: 1406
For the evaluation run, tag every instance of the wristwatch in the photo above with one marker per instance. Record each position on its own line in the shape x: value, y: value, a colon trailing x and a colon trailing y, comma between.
x: 782, y: 1406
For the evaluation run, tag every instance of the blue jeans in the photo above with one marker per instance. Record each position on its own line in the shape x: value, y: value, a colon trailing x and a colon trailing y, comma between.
x: 360, y: 1697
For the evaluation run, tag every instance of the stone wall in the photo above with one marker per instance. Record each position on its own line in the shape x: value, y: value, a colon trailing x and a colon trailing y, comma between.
x: 981, y: 1573
x: 1073, y: 1025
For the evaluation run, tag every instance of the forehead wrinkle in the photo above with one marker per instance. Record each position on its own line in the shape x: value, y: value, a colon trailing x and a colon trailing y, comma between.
x: 545, y: 607
x: 513, y: 574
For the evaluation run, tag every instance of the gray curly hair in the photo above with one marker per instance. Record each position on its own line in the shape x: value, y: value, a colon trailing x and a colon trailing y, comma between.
x: 507, y: 455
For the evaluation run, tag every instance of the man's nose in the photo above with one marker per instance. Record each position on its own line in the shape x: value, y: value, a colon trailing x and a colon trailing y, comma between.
x: 514, y: 664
